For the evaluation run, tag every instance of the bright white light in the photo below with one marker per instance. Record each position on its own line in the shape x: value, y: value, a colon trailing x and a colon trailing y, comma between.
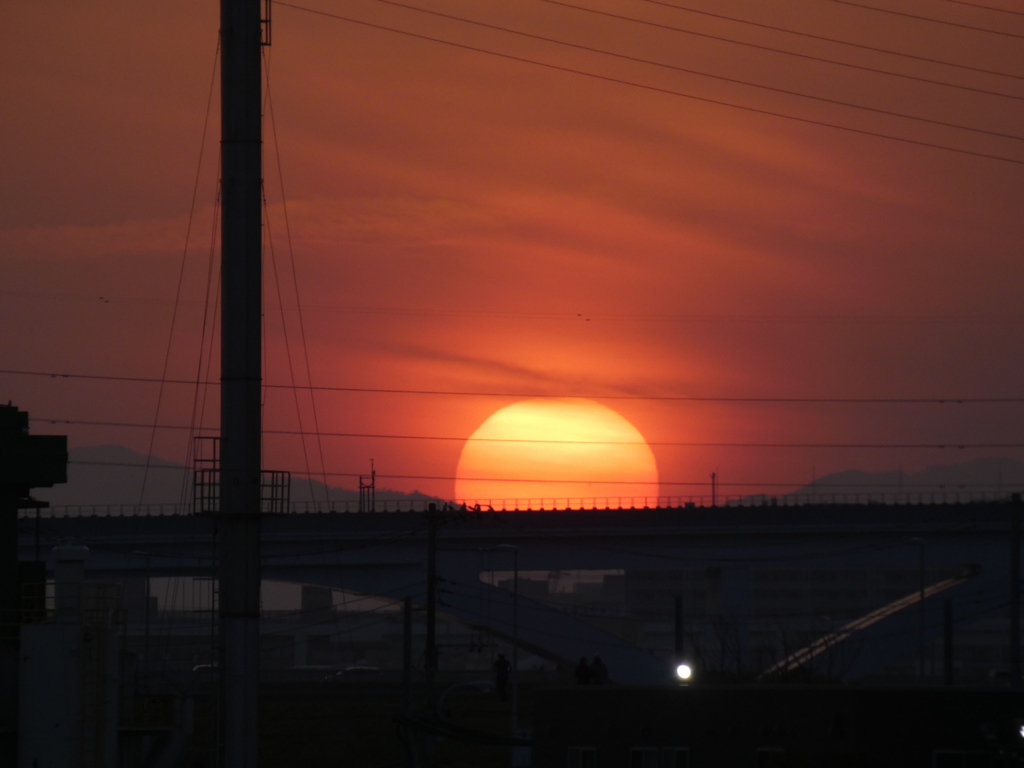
x: 683, y: 672
x: 1022, y: 731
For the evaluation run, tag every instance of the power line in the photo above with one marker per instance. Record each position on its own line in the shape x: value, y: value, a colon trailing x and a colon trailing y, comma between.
x: 822, y: 59
x: 929, y: 18
x: 577, y: 481
x: 200, y: 391
x: 295, y: 278
x: 184, y: 260
x: 985, y: 7
x: 563, y: 396
x: 284, y: 325
x: 653, y: 443
x: 665, y: 91
x: 823, y: 38
x: 687, y: 70
x: 572, y: 316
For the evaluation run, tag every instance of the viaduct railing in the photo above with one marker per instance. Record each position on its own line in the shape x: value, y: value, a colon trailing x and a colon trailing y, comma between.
x: 537, y: 504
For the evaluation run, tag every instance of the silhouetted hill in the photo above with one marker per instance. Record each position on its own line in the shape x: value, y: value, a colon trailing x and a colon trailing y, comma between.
x: 113, y: 474
x: 987, y: 475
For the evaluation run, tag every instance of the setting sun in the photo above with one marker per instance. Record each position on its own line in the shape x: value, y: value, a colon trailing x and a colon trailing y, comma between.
x: 546, y: 454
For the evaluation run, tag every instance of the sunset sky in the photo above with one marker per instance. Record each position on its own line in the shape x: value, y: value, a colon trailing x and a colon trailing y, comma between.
x: 472, y: 223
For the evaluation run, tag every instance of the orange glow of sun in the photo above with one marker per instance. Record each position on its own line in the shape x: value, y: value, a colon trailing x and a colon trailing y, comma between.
x: 556, y: 454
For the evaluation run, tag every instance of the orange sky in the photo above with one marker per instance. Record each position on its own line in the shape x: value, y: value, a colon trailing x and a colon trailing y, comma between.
x: 465, y: 222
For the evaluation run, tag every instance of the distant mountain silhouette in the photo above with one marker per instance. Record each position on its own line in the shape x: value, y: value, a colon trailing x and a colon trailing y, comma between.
x: 113, y: 474
x: 987, y: 475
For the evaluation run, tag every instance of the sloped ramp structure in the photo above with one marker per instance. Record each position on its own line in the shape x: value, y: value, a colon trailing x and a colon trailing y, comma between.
x: 861, y: 627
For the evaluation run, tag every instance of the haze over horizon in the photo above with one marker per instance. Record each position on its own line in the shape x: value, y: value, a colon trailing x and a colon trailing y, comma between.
x: 109, y: 475
x: 466, y: 222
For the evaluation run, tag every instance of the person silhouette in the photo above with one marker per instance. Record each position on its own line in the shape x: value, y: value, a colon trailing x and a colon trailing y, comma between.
x: 584, y: 674
x: 502, y: 669
x: 598, y: 672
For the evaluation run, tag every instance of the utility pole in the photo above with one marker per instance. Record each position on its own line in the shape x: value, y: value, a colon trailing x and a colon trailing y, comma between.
x: 430, y: 655
x: 920, y: 613
x: 407, y: 732
x: 1015, y: 680
x: 148, y: 591
x: 368, y: 491
x: 242, y: 28
x: 407, y: 657
x: 515, y: 644
x: 920, y: 607
x: 947, y: 640
x: 679, y: 644
x: 515, y: 633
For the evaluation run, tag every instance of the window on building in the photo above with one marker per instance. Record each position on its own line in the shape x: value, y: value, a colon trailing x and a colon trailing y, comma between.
x: 582, y: 757
x: 675, y: 757
x: 643, y: 757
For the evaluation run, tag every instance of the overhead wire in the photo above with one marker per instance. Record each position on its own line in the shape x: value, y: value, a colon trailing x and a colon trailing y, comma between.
x: 449, y: 311
x: 985, y: 7
x: 295, y: 283
x: 207, y: 385
x: 175, y: 583
x: 559, y: 396
x: 826, y: 39
x: 539, y: 441
x: 287, y: 344
x: 209, y: 318
x: 264, y: 234
x: 288, y: 356
x: 805, y: 56
x: 665, y: 91
x: 679, y: 483
x: 184, y: 260
x: 931, y: 19
x: 687, y: 70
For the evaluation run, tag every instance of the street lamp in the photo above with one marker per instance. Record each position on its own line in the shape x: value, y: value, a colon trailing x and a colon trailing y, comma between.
x: 684, y: 672
x: 515, y: 633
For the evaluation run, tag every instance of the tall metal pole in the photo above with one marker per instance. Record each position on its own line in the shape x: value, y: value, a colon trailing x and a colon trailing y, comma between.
x: 515, y: 643
x: 515, y: 632
x: 148, y: 592
x: 679, y: 643
x: 920, y: 607
x: 430, y: 655
x: 408, y: 734
x: 241, y: 423
x: 921, y: 616
x: 947, y: 640
x: 407, y: 657
x: 1015, y: 671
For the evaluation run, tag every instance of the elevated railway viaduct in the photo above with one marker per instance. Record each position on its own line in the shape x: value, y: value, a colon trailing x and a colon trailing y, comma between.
x: 738, y: 568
